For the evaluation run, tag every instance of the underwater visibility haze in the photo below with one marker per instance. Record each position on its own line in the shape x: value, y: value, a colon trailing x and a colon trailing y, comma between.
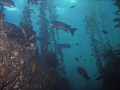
x: 59, y: 44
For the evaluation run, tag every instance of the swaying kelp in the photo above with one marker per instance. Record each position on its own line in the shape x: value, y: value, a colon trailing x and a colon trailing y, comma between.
x: 25, y: 18
x: 107, y: 59
x: 48, y: 37
x: 95, y: 24
x: 117, y: 3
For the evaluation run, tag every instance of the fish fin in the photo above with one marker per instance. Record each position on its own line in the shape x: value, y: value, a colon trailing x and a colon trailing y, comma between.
x: 72, y: 30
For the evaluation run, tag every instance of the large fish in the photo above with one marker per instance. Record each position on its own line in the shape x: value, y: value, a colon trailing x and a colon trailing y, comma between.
x: 62, y: 26
x: 82, y: 72
x: 8, y: 3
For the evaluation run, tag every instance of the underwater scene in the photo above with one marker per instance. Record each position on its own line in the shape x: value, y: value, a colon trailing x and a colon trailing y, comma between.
x: 59, y: 44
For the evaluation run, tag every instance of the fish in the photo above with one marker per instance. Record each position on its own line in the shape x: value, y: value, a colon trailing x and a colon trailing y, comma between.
x: 8, y: 3
x: 62, y: 26
x: 117, y: 25
x: 104, y: 31
x: 77, y: 44
x: 117, y: 20
x: 100, y: 77
x: 82, y: 72
x: 73, y: 6
x: 77, y: 59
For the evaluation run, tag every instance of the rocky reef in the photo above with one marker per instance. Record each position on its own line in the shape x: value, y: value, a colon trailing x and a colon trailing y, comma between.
x: 21, y: 66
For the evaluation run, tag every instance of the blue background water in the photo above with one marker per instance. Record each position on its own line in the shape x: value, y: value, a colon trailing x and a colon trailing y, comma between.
x: 75, y: 17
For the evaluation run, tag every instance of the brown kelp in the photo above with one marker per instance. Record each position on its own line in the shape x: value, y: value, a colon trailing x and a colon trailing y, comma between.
x: 47, y: 34
x: 117, y: 3
x: 107, y: 59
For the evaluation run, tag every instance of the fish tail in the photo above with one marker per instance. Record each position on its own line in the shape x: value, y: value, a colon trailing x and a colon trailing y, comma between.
x: 88, y: 78
x: 72, y: 30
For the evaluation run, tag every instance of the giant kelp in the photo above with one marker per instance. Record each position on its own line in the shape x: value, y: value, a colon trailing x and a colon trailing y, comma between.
x: 111, y: 73
x: 21, y: 66
x: 25, y: 18
x: 107, y: 58
x: 117, y: 3
x: 48, y: 37
x: 94, y: 26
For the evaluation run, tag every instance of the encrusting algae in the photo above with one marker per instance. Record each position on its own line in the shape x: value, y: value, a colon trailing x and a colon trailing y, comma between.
x: 33, y: 65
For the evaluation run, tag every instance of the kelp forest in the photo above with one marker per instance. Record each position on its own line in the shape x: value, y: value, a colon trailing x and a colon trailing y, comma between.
x: 32, y: 56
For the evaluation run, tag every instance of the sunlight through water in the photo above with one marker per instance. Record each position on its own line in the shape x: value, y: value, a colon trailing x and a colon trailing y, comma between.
x: 11, y: 9
x: 72, y: 1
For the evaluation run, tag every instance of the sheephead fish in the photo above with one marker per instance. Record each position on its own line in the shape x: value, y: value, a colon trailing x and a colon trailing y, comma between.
x: 8, y: 3
x: 82, y: 72
x: 62, y: 26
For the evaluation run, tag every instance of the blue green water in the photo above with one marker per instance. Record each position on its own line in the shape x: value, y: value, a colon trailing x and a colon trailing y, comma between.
x: 101, y: 11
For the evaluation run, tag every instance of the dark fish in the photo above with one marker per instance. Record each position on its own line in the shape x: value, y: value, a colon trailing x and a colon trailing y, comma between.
x: 80, y: 55
x: 85, y: 59
x: 62, y: 26
x: 8, y: 3
x: 82, y: 72
x: 72, y: 6
x: 76, y: 59
x: 77, y: 44
x: 99, y: 78
x: 105, y: 32
x: 117, y: 20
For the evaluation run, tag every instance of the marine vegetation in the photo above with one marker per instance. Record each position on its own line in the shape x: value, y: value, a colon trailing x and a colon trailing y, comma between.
x: 107, y: 59
x: 117, y: 3
x: 22, y: 67
x: 110, y: 74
